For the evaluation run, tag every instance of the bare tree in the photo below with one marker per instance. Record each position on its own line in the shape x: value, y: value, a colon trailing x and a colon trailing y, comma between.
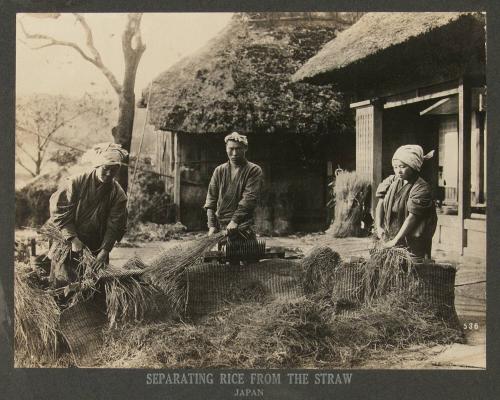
x: 133, y: 48
x: 40, y: 118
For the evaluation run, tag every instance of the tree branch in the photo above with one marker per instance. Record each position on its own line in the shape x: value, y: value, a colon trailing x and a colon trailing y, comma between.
x: 20, y: 147
x: 53, y: 42
x: 89, y: 37
x: 52, y: 140
x: 96, y: 61
x: 42, y: 156
x: 133, y: 37
x: 18, y: 160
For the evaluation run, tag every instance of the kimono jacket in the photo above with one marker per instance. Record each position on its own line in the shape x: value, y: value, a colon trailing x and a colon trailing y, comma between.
x: 234, y: 199
x: 400, y: 199
x: 93, y: 211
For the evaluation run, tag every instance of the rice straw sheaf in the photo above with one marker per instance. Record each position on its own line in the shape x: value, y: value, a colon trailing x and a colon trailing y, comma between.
x: 88, y: 269
x: 350, y: 192
x: 318, y: 268
x: 36, y: 320
x: 128, y: 299
x: 388, y: 269
x: 167, y: 271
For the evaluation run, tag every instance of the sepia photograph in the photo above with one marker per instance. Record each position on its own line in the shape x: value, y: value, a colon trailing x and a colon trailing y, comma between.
x: 252, y: 192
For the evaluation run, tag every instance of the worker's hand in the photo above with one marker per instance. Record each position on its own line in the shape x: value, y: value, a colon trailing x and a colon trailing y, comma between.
x: 102, y: 257
x: 380, y: 232
x: 76, y: 245
x: 212, y: 230
x: 232, y: 226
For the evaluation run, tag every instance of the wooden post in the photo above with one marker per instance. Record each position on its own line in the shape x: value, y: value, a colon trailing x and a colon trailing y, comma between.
x: 369, y: 145
x: 479, y: 168
x: 177, y: 176
x: 33, y: 247
x: 464, y: 159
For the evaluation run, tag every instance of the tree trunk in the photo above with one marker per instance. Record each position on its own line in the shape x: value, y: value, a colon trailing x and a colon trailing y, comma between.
x: 122, y: 133
x: 133, y: 48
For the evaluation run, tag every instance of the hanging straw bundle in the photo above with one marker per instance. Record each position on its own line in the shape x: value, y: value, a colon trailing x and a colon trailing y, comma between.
x: 167, y: 272
x: 350, y: 192
x: 36, y: 319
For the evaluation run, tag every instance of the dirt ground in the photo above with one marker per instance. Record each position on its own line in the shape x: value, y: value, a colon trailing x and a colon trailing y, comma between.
x: 470, y: 297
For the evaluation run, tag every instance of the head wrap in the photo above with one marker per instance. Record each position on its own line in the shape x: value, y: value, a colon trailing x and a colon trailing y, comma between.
x: 412, y: 155
x: 106, y: 154
x: 237, y: 138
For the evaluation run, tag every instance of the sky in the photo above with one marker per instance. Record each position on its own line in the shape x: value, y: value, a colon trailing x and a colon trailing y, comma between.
x: 61, y: 70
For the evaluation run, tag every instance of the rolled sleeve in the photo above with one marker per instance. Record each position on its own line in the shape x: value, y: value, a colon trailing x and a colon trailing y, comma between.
x: 420, y: 200
x: 211, y: 220
x: 213, y: 191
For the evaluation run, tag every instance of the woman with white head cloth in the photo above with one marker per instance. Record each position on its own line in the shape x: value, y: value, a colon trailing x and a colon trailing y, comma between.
x: 406, y: 214
x: 90, y: 209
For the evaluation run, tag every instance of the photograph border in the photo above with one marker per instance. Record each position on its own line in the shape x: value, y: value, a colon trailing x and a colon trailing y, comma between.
x: 40, y: 383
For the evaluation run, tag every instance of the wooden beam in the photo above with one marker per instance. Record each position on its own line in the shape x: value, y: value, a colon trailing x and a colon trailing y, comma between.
x: 177, y: 175
x: 369, y: 146
x: 417, y: 98
x: 464, y: 159
x: 480, y: 153
x: 358, y: 104
x: 478, y: 225
x: 435, y: 105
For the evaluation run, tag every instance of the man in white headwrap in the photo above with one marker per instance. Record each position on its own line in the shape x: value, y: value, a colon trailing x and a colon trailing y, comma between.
x: 406, y: 213
x: 234, y: 191
x: 90, y: 209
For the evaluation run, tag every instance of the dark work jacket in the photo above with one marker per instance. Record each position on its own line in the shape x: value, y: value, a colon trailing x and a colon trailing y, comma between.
x: 401, y: 199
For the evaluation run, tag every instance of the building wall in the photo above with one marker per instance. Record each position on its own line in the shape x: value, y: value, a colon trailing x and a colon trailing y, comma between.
x: 294, y: 193
x: 403, y: 125
x: 448, y: 158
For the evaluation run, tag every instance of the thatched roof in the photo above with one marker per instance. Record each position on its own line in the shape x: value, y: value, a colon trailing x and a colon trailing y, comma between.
x: 373, y: 34
x: 241, y: 81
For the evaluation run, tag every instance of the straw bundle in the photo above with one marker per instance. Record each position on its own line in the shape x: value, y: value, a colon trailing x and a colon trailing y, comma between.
x: 298, y: 334
x: 388, y: 269
x: 36, y: 319
x: 318, y: 267
x: 129, y: 299
x: 167, y: 272
x: 350, y: 192
x: 87, y: 268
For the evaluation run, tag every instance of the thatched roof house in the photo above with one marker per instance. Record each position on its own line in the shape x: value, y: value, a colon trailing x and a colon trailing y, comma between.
x: 241, y: 81
x: 379, y: 47
x: 418, y: 78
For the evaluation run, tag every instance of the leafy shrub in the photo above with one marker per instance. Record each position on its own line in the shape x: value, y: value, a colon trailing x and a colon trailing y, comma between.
x: 148, y: 200
x: 32, y: 201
